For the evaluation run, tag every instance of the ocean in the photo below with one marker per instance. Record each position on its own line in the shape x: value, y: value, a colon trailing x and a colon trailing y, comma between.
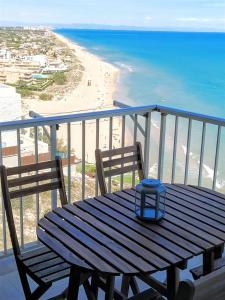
x: 179, y: 69
x: 185, y: 70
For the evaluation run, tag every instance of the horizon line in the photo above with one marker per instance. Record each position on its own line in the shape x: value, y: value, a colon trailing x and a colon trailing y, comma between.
x: 93, y: 26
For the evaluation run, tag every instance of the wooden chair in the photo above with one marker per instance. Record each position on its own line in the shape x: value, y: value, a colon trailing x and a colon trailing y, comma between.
x: 117, y: 162
x: 197, y: 272
x: 130, y: 159
x: 211, y: 287
x: 42, y: 265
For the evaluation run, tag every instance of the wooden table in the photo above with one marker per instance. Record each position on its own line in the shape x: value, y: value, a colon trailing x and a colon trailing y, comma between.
x: 103, y: 236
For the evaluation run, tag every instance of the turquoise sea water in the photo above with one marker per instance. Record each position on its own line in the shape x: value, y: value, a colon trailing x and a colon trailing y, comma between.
x: 184, y: 70
x: 180, y: 69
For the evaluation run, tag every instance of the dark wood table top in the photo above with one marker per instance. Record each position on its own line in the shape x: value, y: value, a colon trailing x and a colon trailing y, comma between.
x: 103, y: 234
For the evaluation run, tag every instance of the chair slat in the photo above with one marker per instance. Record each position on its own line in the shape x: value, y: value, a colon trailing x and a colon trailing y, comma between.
x: 46, y: 264
x: 32, y: 179
x: 120, y: 161
x: 33, y: 253
x: 35, y: 189
x: 55, y: 276
x: 122, y: 170
x: 52, y: 269
x: 36, y: 260
x: 118, y: 151
x: 31, y: 167
x: 129, y: 159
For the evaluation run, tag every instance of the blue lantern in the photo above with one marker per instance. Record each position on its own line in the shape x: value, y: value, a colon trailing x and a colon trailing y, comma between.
x: 150, y: 199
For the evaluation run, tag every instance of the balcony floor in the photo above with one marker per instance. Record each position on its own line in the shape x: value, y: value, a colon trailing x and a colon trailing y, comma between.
x: 11, y: 288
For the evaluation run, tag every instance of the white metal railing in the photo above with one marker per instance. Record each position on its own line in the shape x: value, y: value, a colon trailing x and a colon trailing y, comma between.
x: 174, y: 146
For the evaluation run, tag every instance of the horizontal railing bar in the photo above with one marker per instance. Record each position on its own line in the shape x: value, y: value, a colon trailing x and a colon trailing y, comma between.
x: 139, y: 110
x: 11, y: 125
x: 190, y: 115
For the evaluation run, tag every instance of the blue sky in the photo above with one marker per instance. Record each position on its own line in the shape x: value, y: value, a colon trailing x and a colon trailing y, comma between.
x: 194, y: 14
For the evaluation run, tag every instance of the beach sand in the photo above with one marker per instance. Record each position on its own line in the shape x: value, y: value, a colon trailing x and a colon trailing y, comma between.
x: 94, y: 92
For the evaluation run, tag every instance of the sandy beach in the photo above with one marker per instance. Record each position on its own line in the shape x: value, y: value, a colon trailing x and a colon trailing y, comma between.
x: 95, y: 91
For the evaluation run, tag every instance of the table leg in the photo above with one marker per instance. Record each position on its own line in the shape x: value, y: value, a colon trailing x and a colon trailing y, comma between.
x: 127, y: 282
x: 109, y: 293
x: 134, y: 286
x: 218, y: 252
x: 173, y: 278
x: 74, y: 284
x: 125, y: 285
x: 208, y: 262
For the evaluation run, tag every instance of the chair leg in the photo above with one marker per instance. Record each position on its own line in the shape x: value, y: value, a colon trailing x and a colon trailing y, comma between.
x: 110, y: 283
x: 39, y: 291
x: 25, y: 283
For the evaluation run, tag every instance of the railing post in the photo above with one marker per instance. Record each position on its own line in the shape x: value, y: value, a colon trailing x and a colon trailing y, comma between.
x: 122, y: 145
x: 53, y: 140
x: 3, y: 207
x: 187, y: 152
x: 83, y: 163
x: 36, y: 161
x: 216, y: 157
x: 110, y: 148
x: 97, y: 147
x: 161, y: 145
x: 69, y: 160
x: 201, y: 154
x: 174, y: 150
x: 21, y: 198
x: 147, y: 144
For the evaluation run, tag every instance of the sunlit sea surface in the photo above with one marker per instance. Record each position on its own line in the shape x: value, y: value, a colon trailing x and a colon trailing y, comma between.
x: 184, y: 70
x: 179, y: 69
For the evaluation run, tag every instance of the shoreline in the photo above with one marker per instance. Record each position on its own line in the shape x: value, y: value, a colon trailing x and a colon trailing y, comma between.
x: 95, y: 91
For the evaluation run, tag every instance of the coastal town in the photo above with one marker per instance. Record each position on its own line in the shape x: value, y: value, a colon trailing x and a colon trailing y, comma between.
x: 43, y: 72
x: 35, y: 62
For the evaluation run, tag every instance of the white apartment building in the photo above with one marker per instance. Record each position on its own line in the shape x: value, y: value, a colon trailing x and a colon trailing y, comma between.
x: 39, y: 59
x: 10, y: 103
x: 5, y: 54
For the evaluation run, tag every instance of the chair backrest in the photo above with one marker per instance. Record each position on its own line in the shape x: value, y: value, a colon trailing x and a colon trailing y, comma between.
x: 25, y: 184
x: 211, y: 286
x: 118, y: 161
